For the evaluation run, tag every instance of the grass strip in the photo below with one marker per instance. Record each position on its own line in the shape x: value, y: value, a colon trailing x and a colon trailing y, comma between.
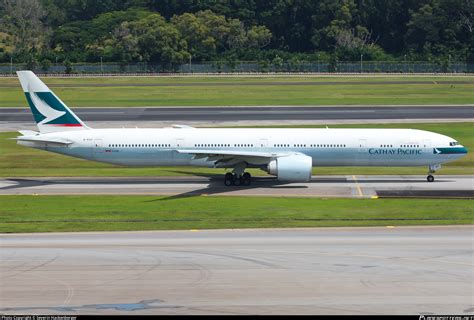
x: 115, y: 213
x: 269, y: 91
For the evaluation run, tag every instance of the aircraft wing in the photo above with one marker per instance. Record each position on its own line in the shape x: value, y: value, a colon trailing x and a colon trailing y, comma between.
x: 228, y: 157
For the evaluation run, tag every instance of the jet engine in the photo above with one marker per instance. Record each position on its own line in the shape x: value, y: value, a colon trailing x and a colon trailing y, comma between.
x: 293, y: 168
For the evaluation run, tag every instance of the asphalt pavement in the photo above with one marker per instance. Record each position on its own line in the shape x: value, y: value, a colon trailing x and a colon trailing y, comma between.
x: 260, y: 113
x: 402, y: 270
x: 351, y: 186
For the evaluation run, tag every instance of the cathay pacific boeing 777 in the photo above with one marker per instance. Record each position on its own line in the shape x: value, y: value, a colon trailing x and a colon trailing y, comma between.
x: 289, y: 154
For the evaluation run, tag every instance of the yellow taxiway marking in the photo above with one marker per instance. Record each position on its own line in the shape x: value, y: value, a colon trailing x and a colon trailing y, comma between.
x: 194, y: 230
x: 359, y: 189
x: 390, y: 227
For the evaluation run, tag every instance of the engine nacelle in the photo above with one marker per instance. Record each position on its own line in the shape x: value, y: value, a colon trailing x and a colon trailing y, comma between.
x: 294, y: 168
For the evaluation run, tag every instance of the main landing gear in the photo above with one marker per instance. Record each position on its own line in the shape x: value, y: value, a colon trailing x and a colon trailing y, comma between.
x: 238, y: 176
x: 232, y: 179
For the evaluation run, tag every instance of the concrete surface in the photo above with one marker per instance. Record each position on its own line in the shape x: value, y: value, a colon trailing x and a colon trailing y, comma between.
x: 403, y: 270
x: 320, y: 186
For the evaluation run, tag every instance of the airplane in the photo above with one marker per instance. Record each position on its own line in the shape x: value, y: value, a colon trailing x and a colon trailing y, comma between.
x: 289, y: 154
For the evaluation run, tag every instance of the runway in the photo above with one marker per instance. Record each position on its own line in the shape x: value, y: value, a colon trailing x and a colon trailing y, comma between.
x: 270, y: 113
x: 352, y: 186
x: 403, y: 270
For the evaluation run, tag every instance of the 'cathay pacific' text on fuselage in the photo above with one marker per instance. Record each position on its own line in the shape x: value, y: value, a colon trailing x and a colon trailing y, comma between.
x: 398, y: 151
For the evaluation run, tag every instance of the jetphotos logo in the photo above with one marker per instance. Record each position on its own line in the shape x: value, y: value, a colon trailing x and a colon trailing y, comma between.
x: 445, y: 317
x: 48, y: 110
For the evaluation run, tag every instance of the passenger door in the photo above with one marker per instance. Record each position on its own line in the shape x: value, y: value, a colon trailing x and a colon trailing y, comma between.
x: 98, y: 145
x: 179, y: 158
x: 426, y: 145
x: 180, y: 143
x: 98, y: 149
x: 362, y: 155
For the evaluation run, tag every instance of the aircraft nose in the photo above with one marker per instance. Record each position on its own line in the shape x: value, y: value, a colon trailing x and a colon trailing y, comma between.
x: 460, y: 151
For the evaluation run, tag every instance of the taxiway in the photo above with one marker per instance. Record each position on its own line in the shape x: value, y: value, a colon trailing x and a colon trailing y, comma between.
x: 352, y: 186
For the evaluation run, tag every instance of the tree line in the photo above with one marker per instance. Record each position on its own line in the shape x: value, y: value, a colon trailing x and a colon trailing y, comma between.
x: 172, y: 32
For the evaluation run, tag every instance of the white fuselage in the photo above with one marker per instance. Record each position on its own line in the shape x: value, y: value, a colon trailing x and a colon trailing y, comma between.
x: 326, y: 147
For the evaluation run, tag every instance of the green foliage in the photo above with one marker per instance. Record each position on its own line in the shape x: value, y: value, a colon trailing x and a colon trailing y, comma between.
x: 209, y: 34
x: 68, y: 66
x: 45, y: 65
x: 31, y: 62
x: 153, y: 39
x: 198, y: 34
x: 441, y: 27
x: 86, y: 30
x: 90, y: 40
x: 21, y: 20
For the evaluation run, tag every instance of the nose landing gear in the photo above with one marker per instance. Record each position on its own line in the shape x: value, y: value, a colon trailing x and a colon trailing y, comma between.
x: 432, y: 169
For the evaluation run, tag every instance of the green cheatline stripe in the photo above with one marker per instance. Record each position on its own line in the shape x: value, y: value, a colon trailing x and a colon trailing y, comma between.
x: 457, y: 150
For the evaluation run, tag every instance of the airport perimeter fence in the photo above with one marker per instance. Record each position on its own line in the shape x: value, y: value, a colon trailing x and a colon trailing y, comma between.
x: 247, y: 67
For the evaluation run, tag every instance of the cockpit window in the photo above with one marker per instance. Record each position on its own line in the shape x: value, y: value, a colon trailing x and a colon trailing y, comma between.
x: 454, y: 143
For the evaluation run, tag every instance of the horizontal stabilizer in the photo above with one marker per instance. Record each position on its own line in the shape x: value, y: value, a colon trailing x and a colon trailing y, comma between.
x: 42, y: 140
x: 182, y: 126
x: 28, y: 132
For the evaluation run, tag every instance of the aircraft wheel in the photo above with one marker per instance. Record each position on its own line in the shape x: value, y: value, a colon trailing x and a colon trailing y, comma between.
x: 430, y: 178
x: 237, y: 181
x: 247, y: 179
x: 228, y: 179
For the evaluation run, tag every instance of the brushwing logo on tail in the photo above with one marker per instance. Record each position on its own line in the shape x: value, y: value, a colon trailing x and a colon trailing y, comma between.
x: 49, y: 113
